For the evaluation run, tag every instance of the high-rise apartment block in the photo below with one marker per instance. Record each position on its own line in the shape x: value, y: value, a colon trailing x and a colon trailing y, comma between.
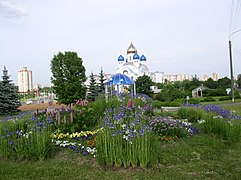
x: 25, y: 80
x: 215, y: 77
x: 176, y: 77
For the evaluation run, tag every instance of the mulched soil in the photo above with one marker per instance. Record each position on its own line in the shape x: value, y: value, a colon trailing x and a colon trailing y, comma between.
x: 40, y: 106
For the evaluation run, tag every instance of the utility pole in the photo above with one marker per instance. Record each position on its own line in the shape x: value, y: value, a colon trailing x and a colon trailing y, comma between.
x: 231, y: 63
x: 231, y: 70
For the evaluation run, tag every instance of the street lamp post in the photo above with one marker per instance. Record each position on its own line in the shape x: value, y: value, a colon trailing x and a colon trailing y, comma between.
x: 231, y: 63
x: 231, y: 69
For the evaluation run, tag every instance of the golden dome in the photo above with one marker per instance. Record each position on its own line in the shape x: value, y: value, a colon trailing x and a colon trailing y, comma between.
x: 131, y: 49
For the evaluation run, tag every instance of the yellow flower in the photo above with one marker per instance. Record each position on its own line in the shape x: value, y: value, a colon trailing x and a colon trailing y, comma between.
x: 61, y: 136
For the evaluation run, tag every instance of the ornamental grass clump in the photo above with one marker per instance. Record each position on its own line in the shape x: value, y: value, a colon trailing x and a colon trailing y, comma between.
x: 227, y: 129
x: 214, y: 119
x: 126, y: 138
x: 25, y: 138
x: 192, y: 114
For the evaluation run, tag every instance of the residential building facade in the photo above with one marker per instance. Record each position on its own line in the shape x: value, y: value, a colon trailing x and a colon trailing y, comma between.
x: 25, y: 80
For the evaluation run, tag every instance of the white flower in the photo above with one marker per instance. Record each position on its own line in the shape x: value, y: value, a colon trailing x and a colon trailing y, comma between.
x: 215, y: 117
x: 123, y: 126
x: 201, y: 121
x: 127, y: 131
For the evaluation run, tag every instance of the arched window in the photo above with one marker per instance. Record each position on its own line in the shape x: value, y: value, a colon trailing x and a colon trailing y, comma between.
x: 125, y: 72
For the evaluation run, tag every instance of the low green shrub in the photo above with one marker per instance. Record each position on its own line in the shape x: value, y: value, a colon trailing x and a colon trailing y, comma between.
x: 237, y: 94
x: 193, y: 101
x: 171, y: 128
x: 208, y: 99
x: 224, y: 98
x: 157, y: 104
x: 192, y: 114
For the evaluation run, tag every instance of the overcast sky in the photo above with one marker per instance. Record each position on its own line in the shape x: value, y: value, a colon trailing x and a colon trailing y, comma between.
x: 176, y: 36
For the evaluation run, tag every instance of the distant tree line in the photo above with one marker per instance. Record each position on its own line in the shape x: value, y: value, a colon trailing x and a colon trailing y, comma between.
x: 177, y: 90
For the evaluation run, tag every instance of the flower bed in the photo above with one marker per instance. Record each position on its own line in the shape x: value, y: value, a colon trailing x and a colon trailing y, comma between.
x: 128, y: 133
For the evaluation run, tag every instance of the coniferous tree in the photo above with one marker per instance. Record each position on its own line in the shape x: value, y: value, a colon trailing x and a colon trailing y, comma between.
x: 9, y: 98
x: 102, y: 82
x: 92, y: 94
x: 68, y: 77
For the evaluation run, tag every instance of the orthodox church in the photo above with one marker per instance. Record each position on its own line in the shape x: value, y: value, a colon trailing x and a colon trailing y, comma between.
x: 134, y: 65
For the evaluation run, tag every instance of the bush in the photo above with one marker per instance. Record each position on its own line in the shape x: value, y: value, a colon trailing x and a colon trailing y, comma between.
x: 191, y: 114
x: 237, y: 95
x: 193, y: 101
x: 224, y: 98
x: 208, y: 99
x: 215, y: 92
x: 169, y: 127
x: 157, y: 104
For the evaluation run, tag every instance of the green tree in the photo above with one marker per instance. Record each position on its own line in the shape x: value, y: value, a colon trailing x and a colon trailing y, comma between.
x: 143, y: 84
x: 93, y: 89
x: 170, y: 92
x: 239, y: 80
x: 68, y: 77
x: 195, y: 80
x: 159, y: 85
x: 9, y: 98
x: 210, y: 83
x: 224, y: 82
x: 102, y: 82
x: 46, y: 89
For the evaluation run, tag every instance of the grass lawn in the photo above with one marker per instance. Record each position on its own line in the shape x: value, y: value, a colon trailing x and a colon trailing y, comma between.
x: 234, y: 107
x: 199, y: 157
x: 221, y: 102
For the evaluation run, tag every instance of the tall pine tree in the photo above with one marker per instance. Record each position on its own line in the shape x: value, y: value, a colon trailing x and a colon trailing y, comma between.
x: 9, y: 98
x: 102, y: 82
x: 92, y: 89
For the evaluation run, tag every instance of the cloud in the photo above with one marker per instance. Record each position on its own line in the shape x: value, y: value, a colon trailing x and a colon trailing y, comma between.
x: 9, y: 9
